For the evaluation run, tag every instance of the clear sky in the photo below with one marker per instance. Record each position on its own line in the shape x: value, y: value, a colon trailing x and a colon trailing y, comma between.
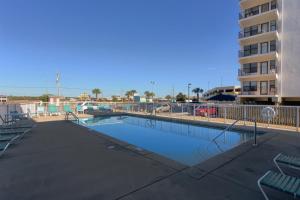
x: 117, y: 45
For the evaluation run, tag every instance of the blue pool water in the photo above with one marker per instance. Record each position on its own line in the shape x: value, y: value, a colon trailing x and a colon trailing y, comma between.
x: 187, y: 144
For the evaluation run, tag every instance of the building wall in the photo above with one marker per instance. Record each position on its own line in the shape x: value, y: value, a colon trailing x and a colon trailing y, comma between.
x: 290, y: 52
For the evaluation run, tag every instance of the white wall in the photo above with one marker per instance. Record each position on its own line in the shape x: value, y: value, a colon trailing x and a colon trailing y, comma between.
x: 290, y: 52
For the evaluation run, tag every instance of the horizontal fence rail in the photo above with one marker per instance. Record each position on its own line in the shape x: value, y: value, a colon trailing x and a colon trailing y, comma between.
x: 287, y: 117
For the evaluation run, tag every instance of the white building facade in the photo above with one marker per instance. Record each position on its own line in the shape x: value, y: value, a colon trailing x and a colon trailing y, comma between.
x: 269, y: 53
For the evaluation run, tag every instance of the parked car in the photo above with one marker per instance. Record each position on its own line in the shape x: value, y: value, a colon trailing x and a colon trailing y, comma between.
x: 163, y: 108
x: 206, y: 111
x: 83, y: 107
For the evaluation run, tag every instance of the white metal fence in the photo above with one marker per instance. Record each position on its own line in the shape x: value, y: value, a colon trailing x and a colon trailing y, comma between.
x: 287, y: 117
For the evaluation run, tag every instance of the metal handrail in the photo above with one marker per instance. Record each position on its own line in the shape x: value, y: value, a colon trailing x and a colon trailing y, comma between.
x: 73, y: 114
x: 232, y: 125
x: 225, y: 130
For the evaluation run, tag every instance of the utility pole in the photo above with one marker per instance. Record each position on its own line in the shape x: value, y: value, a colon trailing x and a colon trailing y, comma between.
x: 189, y: 86
x: 58, y: 84
x: 173, y: 92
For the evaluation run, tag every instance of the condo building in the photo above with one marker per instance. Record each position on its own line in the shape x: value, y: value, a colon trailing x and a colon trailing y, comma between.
x: 269, y: 53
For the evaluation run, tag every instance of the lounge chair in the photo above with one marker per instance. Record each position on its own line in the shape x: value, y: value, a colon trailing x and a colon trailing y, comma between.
x: 4, y: 138
x: 79, y: 109
x: 7, y: 133
x: 13, y: 131
x: 16, y: 125
x: 52, y: 109
x: 18, y: 116
x: 6, y: 121
x: 5, y: 144
x: 290, y: 161
x: 40, y: 110
x: 280, y: 182
x: 67, y: 108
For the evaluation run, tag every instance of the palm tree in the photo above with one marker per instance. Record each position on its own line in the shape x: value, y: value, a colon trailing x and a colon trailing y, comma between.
x: 198, y: 91
x: 168, y: 97
x: 147, y: 94
x: 130, y: 93
x: 96, y: 92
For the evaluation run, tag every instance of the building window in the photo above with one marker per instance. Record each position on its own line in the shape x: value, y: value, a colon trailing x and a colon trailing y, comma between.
x: 264, y: 87
x: 250, y: 68
x: 264, y: 67
x: 273, y: 4
x: 273, y: 25
x: 265, y: 7
x: 249, y: 31
x: 265, y: 27
x: 272, y: 87
x: 249, y: 86
x: 272, y: 65
x: 252, y: 11
x: 273, y: 45
x: 264, y: 47
x: 250, y: 49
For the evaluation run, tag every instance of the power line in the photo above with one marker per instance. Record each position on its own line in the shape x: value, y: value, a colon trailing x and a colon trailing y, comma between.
x: 43, y: 87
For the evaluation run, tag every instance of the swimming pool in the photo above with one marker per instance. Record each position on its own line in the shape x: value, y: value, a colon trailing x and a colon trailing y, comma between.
x: 185, y: 143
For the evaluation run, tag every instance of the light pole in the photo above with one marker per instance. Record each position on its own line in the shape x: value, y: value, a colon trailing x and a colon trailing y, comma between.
x: 189, y: 86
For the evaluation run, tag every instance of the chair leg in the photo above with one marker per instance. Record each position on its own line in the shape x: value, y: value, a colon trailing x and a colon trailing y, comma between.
x: 3, y: 150
x: 260, y: 186
x: 276, y: 163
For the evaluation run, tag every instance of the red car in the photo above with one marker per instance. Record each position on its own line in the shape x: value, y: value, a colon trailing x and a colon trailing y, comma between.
x: 206, y: 111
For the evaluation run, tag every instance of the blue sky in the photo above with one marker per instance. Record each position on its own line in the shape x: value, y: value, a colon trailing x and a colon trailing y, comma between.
x: 117, y: 45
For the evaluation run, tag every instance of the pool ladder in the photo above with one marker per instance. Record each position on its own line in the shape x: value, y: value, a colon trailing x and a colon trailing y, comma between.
x: 232, y: 125
x: 73, y: 115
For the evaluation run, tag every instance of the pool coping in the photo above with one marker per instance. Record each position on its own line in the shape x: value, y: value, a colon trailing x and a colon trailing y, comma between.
x: 203, y: 168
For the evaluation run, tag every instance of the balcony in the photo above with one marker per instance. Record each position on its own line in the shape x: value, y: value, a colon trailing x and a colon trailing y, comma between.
x: 271, y: 93
x: 245, y: 57
x: 253, y: 12
x: 258, y: 37
x: 250, y: 93
x: 250, y: 19
x: 257, y: 76
x: 243, y: 53
x: 251, y: 3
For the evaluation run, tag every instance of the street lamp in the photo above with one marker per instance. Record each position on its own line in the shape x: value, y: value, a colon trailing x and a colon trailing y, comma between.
x: 189, y: 86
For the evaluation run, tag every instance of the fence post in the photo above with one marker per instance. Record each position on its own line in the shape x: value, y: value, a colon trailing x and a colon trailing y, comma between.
x: 207, y: 112
x: 6, y: 116
x: 194, y: 112
x: 297, y: 122
x: 245, y: 115
x: 225, y: 114
x: 255, y: 133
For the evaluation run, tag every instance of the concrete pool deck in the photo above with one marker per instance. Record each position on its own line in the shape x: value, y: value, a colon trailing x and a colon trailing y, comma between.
x: 61, y: 160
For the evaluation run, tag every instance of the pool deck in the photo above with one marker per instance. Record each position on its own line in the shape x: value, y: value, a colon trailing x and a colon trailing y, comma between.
x: 61, y: 160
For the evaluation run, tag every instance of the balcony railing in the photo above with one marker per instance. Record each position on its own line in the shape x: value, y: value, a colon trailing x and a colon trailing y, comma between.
x: 243, y: 14
x: 250, y: 93
x: 242, y: 72
x: 243, y: 53
x: 242, y: 34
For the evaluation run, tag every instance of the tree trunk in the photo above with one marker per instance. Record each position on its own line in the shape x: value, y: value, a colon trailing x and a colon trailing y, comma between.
x: 198, y: 99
